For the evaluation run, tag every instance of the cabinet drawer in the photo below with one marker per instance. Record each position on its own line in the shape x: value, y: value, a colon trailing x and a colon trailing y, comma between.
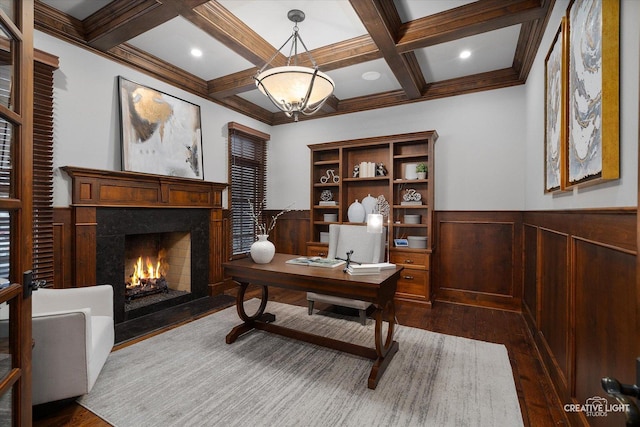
x: 408, y: 259
x: 414, y: 282
x: 317, y: 250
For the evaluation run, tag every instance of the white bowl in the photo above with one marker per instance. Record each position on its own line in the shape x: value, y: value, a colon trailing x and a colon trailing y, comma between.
x: 412, y: 219
x: 417, y: 242
x: 330, y: 217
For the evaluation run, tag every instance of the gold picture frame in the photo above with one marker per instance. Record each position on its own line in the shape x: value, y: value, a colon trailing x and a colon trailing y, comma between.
x: 592, y: 153
x: 555, y: 108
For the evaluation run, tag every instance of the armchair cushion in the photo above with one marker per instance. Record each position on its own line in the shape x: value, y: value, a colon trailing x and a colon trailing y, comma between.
x: 73, y: 332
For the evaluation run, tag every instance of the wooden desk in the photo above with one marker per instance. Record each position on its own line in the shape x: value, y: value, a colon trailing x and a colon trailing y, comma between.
x: 376, y: 288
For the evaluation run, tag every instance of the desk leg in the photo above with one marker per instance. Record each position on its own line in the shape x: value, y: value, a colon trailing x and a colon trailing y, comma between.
x: 386, y: 347
x: 249, y: 321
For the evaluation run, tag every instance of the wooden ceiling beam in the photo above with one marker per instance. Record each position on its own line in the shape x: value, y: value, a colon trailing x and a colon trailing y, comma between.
x: 123, y: 20
x: 469, y: 84
x: 346, y: 53
x: 232, y: 84
x: 58, y: 24
x: 382, y: 23
x: 478, y: 17
x: 468, y: 20
x: 529, y: 41
x: 332, y: 57
x: 247, y: 108
x: 220, y: 24
x: 158, y: 68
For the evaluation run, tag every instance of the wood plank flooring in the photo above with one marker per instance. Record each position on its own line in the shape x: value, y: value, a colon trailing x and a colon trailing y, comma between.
x: 538, y: 402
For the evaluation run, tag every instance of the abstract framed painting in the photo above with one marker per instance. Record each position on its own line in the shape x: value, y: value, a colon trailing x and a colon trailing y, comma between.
x: 555, y: 110
x: 161, y: 134
x: 593, y: 141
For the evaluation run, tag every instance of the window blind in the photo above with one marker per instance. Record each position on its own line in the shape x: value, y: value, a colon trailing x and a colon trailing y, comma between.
x: 43, y: 172
x: 248, y: 179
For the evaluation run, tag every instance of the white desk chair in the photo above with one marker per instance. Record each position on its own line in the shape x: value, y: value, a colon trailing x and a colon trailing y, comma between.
x: 367, y: 248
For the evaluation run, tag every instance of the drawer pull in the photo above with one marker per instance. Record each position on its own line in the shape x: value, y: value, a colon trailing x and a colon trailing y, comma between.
x: 408, y: 261
x: 322, y: 254
x: 407, y: 277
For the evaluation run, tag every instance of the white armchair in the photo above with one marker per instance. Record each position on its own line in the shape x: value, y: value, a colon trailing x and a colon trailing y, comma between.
x: 73, y: 333
x: 366, y: 247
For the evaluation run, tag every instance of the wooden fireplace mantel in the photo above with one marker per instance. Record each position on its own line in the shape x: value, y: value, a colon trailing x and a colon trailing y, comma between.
x: 92, y: 187
x: 95, y: 189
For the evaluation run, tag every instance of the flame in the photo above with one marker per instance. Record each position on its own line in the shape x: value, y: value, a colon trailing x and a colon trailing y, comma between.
x: 145, y: 271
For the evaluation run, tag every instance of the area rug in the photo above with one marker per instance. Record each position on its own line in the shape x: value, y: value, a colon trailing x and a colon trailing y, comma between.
x: 189, y: 376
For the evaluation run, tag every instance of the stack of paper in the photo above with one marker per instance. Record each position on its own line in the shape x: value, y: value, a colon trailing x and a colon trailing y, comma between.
x: 357, y: 269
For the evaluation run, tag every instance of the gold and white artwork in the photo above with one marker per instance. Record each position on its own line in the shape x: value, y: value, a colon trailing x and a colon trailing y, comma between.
x: 553, y: 114
x: 161, y: 134
x: 585, y: 91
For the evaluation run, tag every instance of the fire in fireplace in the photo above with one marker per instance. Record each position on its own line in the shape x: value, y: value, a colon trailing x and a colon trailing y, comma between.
x: 147, y: 278
x: 156, y: 263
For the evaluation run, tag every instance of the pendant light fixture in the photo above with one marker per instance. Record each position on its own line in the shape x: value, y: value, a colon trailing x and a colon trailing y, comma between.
x: 292, y: 88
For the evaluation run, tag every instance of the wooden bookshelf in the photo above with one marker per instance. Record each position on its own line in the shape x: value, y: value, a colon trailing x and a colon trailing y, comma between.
x: 396, y: 153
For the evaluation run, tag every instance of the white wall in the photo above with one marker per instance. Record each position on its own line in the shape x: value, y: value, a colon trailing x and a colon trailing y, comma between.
x: 619, y: 193
x: 479, y: 153
x: 489, y: 155
x: 86, y: 115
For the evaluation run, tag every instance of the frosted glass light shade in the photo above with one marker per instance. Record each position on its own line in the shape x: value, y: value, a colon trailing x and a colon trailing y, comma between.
x: 289, y: 85
x: 374, y: 223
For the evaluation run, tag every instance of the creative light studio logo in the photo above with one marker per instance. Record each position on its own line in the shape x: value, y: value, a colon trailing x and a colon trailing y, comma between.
x: 596, y: 406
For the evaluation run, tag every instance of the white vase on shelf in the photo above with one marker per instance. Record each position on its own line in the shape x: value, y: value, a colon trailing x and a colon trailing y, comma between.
x: 262, y: 250
x: 369, y: 204
x: 356, y: 212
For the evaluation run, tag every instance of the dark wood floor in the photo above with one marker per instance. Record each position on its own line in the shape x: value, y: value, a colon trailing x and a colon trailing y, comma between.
x: 537, y: 398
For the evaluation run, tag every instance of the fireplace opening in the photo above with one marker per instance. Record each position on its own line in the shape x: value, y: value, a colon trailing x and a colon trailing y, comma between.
x: 183, y: 233
x: 157, y: 268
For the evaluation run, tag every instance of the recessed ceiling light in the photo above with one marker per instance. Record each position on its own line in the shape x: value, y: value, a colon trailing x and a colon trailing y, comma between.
x: 465, y: 54
x: 371, y: 75
x: 196, y: 52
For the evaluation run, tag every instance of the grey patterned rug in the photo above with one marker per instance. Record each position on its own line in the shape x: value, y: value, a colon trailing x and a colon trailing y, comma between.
x: 188, y: 376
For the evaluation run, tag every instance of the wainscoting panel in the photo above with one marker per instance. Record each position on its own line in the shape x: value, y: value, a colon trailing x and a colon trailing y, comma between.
x: 606, y: 335
x: 553, y: 311
x: 530, y: 292
x: 291, y: 233
x: 62, y: 229
x: 478, y: 258
x: 584, y: 315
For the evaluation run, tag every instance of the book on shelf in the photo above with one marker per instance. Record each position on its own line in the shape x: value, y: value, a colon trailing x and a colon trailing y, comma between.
x: 316, y: 261
x: 358, y: 269
x: 411, y: 203
x: 328, y: 203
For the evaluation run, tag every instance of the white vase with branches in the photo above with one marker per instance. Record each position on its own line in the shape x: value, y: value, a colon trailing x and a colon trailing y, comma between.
x: 262, y: 250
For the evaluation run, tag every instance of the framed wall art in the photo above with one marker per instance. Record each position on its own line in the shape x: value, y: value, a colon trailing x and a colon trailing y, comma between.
x: 593, y: 141
x: 161, y: 134
x: 555, y: 110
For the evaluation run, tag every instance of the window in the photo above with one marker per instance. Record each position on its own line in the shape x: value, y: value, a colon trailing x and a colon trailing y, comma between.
x: 248, y: 179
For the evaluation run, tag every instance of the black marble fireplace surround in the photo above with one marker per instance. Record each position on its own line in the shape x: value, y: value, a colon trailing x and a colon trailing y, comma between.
x: 112, y: 226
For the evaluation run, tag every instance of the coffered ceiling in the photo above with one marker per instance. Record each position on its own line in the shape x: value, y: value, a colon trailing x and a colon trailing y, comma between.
x: 412, y: 45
